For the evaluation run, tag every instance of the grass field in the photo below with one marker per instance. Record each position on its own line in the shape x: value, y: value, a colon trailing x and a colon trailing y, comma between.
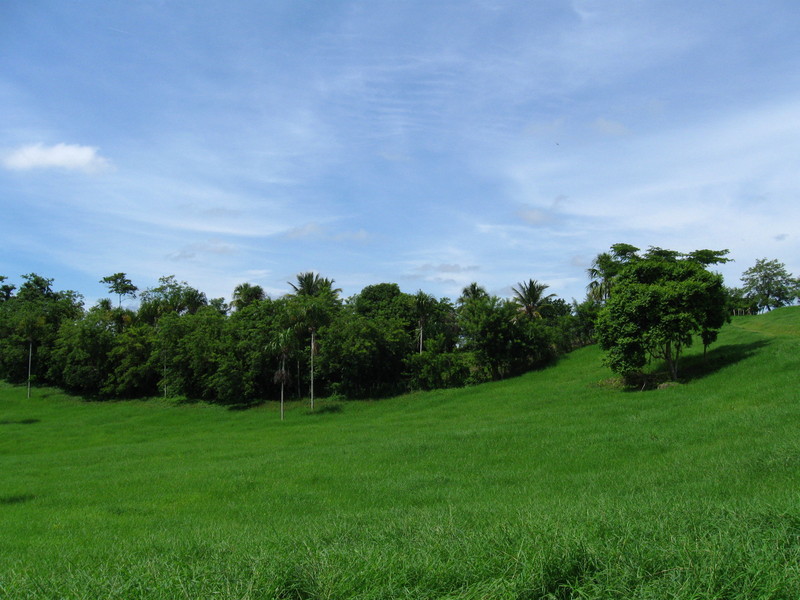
x: 557, y: 484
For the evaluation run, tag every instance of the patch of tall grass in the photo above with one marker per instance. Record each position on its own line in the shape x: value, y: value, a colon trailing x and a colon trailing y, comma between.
x: 553, y: 485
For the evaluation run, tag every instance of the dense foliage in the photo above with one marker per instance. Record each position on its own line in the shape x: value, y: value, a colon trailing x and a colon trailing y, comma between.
x: 379, y: 342
x: 657, y: 304
x: 769, y: 284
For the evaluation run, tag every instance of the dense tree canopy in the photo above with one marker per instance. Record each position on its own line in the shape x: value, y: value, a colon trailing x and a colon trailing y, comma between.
x: 309, y: 342
x: 658, y: 302
x: 378, y: 342
x: 769, y: 284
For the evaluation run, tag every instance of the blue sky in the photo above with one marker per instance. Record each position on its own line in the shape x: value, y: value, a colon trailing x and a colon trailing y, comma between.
x: 427, y: 143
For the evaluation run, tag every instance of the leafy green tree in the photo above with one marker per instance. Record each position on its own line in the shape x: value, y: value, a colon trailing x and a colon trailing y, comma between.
x: 196, y: 344
x: 80, y: 361
x: 769, y: 284
x: 6, y: 289
x: 739, y: 303
x: 364, y: 356
x: 219, y: 305
x: 583, y: 325
x: 29, y: 323
x: 489, y: 330
x: 120, y: 285
x: 431, y: 370
x: 658, y: 303
x: 133, y: 363
x: 170, y: 296
x: 246, y: 366
x: 31, y: 326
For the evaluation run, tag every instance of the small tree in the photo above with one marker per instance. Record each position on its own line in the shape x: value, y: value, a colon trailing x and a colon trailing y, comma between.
x: 769, y: 284
x: 120, y: 285
x: 658, y: 303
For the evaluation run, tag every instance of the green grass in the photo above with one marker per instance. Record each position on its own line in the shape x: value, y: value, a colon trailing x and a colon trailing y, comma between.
x: 553, y: 485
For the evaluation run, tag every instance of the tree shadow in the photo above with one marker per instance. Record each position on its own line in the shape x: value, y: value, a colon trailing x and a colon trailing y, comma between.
x: 690, y: 368
x: 242, y: 406
x: 325, y: 409
x: 20, y: 422
x: 698, y: 366
x: 16, y: 499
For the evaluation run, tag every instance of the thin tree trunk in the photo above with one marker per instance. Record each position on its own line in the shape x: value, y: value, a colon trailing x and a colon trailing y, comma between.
x: 30, y: 362
x: 299, y: 386
x: 283, y: 377
x: 312, y: 369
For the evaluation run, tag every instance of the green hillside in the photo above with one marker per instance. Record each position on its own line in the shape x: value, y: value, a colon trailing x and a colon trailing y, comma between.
x: 558, y: 484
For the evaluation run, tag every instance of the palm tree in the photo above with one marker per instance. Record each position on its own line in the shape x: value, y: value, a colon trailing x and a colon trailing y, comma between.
x: 245, y: 294
x: 283, y: 345
x: 424, y: 305
x: 472, y: 292
x: 311, y: 284
x: 311, y: 313
x: 531, y: 299
x: 601, y: 273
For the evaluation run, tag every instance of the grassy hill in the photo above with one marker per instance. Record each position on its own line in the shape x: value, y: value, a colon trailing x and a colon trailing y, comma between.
x: 557, y: 484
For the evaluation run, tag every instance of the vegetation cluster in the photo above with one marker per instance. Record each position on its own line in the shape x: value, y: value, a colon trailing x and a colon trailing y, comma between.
x: 309, y: 342
x: 382, y: 341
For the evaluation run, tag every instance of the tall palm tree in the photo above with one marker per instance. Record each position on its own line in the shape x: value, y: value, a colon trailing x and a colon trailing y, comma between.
x: 531, y: 299
x: 310, y: 313
x: 424, y: 305
x: 311, y: 285
x: 283, y: 345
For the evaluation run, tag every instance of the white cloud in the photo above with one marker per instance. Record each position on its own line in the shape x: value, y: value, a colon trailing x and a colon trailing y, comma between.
x: 61, y: 156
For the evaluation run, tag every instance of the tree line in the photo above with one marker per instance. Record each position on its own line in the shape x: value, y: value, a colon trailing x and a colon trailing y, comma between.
x: 307, y: 343
x: 311, y: 342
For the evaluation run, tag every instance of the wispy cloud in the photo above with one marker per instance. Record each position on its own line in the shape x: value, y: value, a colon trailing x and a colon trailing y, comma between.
x: 609, y: 127
x: 71, y: 157
x: 322, y: 233
x: 200, y: 250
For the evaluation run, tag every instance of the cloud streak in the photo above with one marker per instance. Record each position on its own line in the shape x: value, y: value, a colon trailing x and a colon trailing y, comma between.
x: 69, y: 157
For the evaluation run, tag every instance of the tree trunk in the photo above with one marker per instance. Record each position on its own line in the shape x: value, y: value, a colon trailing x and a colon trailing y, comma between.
x: 312, y: 368
x: 283, y: 380
x: 30, y: 362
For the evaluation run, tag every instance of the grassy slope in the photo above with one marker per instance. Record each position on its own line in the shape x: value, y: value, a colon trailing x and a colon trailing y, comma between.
x: 554, y: 485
